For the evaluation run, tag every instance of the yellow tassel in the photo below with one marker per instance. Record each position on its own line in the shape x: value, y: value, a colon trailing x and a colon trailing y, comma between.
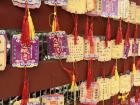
x: 31, y: 26
x: 134, y: 69
x: 74, y: 86
x: 116, y: 73
x: 54, y: 23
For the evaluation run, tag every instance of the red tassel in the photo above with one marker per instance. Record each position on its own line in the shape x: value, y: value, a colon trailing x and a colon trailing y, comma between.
x: 25, y: 92
x: 119, y: 33
x: 86, y: 29
x: 136, y: 33
x: 89, y: 75
x: 75, y: 32
x: 91, y: 34
x: 108, y: 32
x: 127, y: 42
x: 25, y: 37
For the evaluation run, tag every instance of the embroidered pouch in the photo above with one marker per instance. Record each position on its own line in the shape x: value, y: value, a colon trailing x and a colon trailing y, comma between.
x: 57, y: 45
x: 24, y: 56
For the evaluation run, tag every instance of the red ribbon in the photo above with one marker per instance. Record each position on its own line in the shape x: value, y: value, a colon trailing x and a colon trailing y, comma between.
x: 119, y: 33
x: 127, y: 42
x: 75, y: 31
x: 90, y: 74
x: 25, y: 92
x: 108, y: 32
x: 86, y: 29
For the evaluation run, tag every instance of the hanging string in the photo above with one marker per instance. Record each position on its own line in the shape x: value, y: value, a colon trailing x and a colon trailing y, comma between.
x: 75, y: 31
x: 108, y: 32
x: 119, y: 33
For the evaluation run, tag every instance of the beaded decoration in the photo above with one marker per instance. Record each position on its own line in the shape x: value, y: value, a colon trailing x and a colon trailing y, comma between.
x: 76, y: 51
x: 104, y: 88
x: 53, y: 99
x: 56, y: 2
x: 32, y: 101
x: 117, y: 50
x: 104, y: 52
x: 24, y: 56
x: 89, y: 95
x: 125, y: 83
x: 3, y: 48
x: 57, y: 45
x: 31, y: 3
x: 109, y: 8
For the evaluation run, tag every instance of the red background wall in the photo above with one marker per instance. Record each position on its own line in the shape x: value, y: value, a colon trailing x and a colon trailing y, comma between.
x: 47, y: 75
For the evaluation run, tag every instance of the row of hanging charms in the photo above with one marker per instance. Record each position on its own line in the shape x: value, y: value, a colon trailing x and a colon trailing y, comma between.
x: 37, y: 3
x: 55, y: 99
x: 116, y: 9
x: 124, y: 9
x: 3, y: 49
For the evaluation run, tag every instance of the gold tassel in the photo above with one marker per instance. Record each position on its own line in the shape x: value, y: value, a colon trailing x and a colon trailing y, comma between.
x: 134, y: 69
x: 31, y: 26
x: 74, y: 86
x: 116, y: 73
